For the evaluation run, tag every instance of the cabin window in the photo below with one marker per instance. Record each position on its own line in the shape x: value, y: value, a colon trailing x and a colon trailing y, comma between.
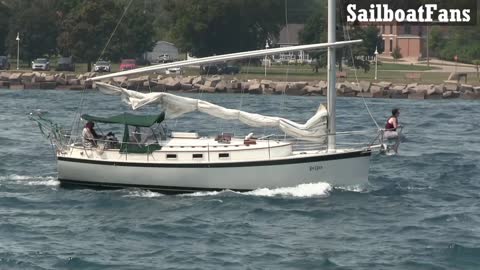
x: 171, y: 156
x: 224, y: 155
x: 197, y: 155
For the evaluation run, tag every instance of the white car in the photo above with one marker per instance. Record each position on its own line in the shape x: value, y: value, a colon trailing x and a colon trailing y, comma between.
x: 102, y: 66
x: 174, y: 71
x: 41, y: 64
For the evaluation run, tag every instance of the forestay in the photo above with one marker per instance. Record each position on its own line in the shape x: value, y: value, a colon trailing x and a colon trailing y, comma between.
x: 175, y: 106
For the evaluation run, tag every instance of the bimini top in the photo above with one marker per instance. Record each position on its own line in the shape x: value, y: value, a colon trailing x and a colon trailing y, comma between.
x: 128, y: 119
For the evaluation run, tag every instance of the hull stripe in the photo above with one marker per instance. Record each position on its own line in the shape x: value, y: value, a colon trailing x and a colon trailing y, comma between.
x: 164, y: 189
x: 356, y: 154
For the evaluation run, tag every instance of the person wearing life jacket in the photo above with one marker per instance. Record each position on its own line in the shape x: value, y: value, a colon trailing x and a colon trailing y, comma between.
x: 392, y: 129
x: 392, y: 121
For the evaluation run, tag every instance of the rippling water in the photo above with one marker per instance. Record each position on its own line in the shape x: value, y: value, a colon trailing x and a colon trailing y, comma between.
x: 421, y: 209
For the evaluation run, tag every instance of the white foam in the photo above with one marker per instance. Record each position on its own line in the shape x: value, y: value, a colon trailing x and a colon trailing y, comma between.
x: 354, y: 188
x: 204, y: 193
x: 300, y: 191
x: 32, y: 180
x: 143, y: 194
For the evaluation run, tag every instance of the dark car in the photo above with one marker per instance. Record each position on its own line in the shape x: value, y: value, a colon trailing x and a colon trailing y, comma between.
x: 230, y: 69
x: 4, y: 64
x: 65, y: 64
x: 219, y: 69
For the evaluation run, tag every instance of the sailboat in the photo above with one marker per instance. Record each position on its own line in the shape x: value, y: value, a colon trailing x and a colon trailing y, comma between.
x: 153, y: 157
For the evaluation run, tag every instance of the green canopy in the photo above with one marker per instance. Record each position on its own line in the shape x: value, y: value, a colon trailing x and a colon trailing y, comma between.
x: 128, y: 119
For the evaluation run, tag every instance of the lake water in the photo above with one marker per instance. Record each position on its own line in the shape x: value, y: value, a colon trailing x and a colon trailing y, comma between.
x: 421, y: 209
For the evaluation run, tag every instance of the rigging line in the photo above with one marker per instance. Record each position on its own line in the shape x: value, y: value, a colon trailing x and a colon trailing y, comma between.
x: 347, y: 37
x: 82, y: 100
x: 115, y: 30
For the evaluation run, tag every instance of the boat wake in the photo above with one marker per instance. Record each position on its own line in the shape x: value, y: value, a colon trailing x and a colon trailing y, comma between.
x: 301, y: 191
x: 143, y: 194
x: 31, y: 180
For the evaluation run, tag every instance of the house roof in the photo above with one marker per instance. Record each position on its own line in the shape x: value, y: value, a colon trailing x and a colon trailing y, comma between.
x: 289, y: 34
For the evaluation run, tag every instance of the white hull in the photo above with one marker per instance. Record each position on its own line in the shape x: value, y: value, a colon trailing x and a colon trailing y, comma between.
x: 338, y: 169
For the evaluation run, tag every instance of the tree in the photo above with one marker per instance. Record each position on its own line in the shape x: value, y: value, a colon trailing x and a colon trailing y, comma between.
x: 315, y: 31
x: 36, y: 23
x: 208, y: 27
x: 396, y: 54
x: 86, y: 30
x: 4, y: 18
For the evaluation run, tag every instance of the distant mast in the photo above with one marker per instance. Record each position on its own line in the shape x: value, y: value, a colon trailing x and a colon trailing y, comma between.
x: 331, y: 92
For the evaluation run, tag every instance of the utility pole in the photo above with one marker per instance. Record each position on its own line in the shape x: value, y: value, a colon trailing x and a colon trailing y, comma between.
x: 265, y: 61
x: 18, y: 50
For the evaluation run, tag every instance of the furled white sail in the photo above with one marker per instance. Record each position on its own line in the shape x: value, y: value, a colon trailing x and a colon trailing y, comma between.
x: 175, y: 106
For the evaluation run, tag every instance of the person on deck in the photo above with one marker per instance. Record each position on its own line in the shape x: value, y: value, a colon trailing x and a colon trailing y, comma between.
x: 391, y: 129
x: 89, y: 135
x: 392, y: 121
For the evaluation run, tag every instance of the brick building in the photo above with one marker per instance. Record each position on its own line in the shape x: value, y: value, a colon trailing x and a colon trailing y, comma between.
x: 411, y: 39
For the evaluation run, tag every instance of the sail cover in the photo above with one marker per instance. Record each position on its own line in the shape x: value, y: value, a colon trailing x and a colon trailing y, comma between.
x: 315, y: 129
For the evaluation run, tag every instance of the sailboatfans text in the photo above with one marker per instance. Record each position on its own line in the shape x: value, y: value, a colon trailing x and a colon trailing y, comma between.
x: 424, y: 14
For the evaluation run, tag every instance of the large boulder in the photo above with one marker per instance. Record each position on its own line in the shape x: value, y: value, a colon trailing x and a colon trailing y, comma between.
x: 73, y: 82
x: 398, y: 87
x: 322, y: 85
x: 376, y: 91
x: 312, y: 90
x: 466, y: 87
x: 207, y: 89
x: 266, y: 83
x: 28, y: 77
x: 187, y: 80
x: 212, y: 81
x: 15, y: 77
x: 171, y: 83
x: 365, y: 86
x: 5, y: 76
x: 198, y: 80
x: 221, y: 86
x: 281, y: 87
x: 293, y: 90
x: 451, y: 86
x: 255, y: 88
x: 383, y: 84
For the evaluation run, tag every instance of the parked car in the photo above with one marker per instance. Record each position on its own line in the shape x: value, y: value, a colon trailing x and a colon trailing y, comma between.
x: 102, y: 66
x: 128, y: 64
x: 219, y: 69
x: 65, y: 64
x: 174, y: 71
x: 4, y: 64
x: 41, y: 64
x: 230, y: 69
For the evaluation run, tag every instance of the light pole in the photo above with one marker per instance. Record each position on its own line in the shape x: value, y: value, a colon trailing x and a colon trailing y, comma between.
x: 18, y: 50
x: 265, y: 61
x: 376, y: 61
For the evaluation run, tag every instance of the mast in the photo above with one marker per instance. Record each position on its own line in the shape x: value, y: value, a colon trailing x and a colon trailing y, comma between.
x: 331, y: 91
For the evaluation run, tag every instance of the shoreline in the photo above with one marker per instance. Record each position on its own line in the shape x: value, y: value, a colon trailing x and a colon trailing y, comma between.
x: 219, y: 84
